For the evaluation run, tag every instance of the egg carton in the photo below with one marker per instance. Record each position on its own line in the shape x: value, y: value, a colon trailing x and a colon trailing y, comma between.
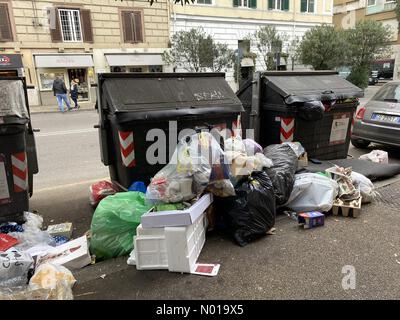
x: 347, y: 208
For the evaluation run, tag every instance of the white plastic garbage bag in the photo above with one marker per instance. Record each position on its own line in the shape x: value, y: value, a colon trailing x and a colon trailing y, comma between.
x: 14, y: 268
x: 32, y: 234
x: 312, y: 192
x: 365, y: 186
x: 377, y: 156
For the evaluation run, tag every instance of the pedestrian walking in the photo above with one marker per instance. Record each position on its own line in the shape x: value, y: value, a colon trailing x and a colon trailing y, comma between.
x: 74, y: 92
x: 60, y: 91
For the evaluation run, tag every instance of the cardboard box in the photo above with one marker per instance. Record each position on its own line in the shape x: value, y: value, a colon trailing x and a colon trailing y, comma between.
x: 73, y: 255
x: 303, y: 161
x: 62, y: 229
x: 176, y: 218
x: 311, y: 219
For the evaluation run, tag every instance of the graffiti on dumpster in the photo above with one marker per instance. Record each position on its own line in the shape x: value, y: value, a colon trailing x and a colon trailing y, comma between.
x: 212, y: 95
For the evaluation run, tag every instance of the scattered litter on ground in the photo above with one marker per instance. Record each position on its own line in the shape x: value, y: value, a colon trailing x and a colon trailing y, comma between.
x: 377, y: 156
x: 60, y: 230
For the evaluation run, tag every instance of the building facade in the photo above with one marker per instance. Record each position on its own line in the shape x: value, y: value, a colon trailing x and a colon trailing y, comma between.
x: 231, y: 21
x: 348, y: 13
x: 79, y: 39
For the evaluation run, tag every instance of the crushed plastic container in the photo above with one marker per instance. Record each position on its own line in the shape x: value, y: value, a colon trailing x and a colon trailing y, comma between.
x: 315, y: 108
x: 136, y: 108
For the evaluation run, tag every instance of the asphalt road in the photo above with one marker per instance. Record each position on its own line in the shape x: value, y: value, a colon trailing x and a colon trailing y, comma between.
x: 293, y: 264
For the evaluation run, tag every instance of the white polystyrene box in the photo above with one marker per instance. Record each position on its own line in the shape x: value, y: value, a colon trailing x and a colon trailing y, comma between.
x: 174, y: 218
x: 174, y: 248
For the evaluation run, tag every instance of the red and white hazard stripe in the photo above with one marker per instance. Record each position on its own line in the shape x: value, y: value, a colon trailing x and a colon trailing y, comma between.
x: 127, y: 148
x: 20, y: 171
x: 287, y: 129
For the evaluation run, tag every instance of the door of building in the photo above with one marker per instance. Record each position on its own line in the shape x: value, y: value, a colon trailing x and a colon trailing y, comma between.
x: 81, y: 74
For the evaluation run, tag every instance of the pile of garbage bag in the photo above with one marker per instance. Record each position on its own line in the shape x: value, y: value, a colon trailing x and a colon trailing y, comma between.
x: 249, y: 185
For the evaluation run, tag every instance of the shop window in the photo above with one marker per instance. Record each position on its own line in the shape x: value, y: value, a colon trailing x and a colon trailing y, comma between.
x: 136, y: 69
x: 155, y: 69
x: 204, y: 1
x: 245, y: 3
x: 5, y: 23
x: 282, y: 5
x: 118, y: 69
x: 307, y: 6
x: 132, y: 26
x: 47, y: 79
x: 70, y: 22
x: 83, y: 87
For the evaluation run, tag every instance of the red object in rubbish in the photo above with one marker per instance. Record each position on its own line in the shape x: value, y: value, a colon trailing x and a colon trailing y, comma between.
x: 100, y: 190
x: 6, y: 242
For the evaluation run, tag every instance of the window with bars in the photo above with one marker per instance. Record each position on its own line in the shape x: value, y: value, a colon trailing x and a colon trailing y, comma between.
x: 307, y: 6
x: 70, y: 22
x: 278, y: 5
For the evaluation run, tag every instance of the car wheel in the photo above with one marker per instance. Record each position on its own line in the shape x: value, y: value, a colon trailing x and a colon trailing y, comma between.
x: 360, y: 143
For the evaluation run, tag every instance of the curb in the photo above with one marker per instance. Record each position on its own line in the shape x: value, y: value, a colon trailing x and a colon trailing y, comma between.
x: 57, y: 111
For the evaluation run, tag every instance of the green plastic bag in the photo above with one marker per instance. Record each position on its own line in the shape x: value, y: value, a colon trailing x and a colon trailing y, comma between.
x: 114, y: 224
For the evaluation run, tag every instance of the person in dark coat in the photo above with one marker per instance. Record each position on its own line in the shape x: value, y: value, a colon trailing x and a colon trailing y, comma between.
x: 74, y: 92
x: 60, y: 92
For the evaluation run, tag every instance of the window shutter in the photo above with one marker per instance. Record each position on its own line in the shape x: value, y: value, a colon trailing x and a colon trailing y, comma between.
x: 303, y: 6
x: 137, y: 18
x: 56, y: 35
x: 253, y: 4
x: 86, y: 21
x: 5, y: 24
x: 127, y: 26
x: 271, y: 4
x: 285, y: 5
x: 236, y: 3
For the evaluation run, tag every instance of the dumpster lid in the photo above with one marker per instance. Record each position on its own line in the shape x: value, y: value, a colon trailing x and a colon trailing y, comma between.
x: 311, y: 85
x: 154, y: 96
x: 12, y: 99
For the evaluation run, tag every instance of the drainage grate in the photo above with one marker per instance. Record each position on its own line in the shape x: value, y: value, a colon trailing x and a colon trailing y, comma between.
x: 390, y: 196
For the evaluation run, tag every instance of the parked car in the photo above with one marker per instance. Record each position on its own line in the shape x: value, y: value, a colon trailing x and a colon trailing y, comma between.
x: 373, y: 78
x: 379, y: 120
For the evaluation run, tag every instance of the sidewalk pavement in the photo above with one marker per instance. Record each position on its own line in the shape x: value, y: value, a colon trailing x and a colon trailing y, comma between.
x: 84, y: 106
x: 292, y: 264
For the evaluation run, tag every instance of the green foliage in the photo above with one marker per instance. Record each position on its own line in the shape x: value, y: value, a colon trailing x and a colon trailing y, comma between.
x: 322, y: 48
x: 368, y: 41
x: 269, y: 42
x: 195, y: 51
x: 397, y: 9
x: 359, y: 76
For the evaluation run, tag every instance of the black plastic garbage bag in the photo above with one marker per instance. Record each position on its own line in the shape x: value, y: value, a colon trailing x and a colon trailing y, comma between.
x: 252, y: 212
x: 282, y: 173
x: 311, y: 111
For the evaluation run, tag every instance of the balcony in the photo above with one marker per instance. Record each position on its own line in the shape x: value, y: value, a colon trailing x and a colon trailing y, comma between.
x: 381, y: 6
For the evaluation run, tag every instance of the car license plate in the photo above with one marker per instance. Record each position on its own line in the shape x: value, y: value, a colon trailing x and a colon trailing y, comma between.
x: 385, y: 118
